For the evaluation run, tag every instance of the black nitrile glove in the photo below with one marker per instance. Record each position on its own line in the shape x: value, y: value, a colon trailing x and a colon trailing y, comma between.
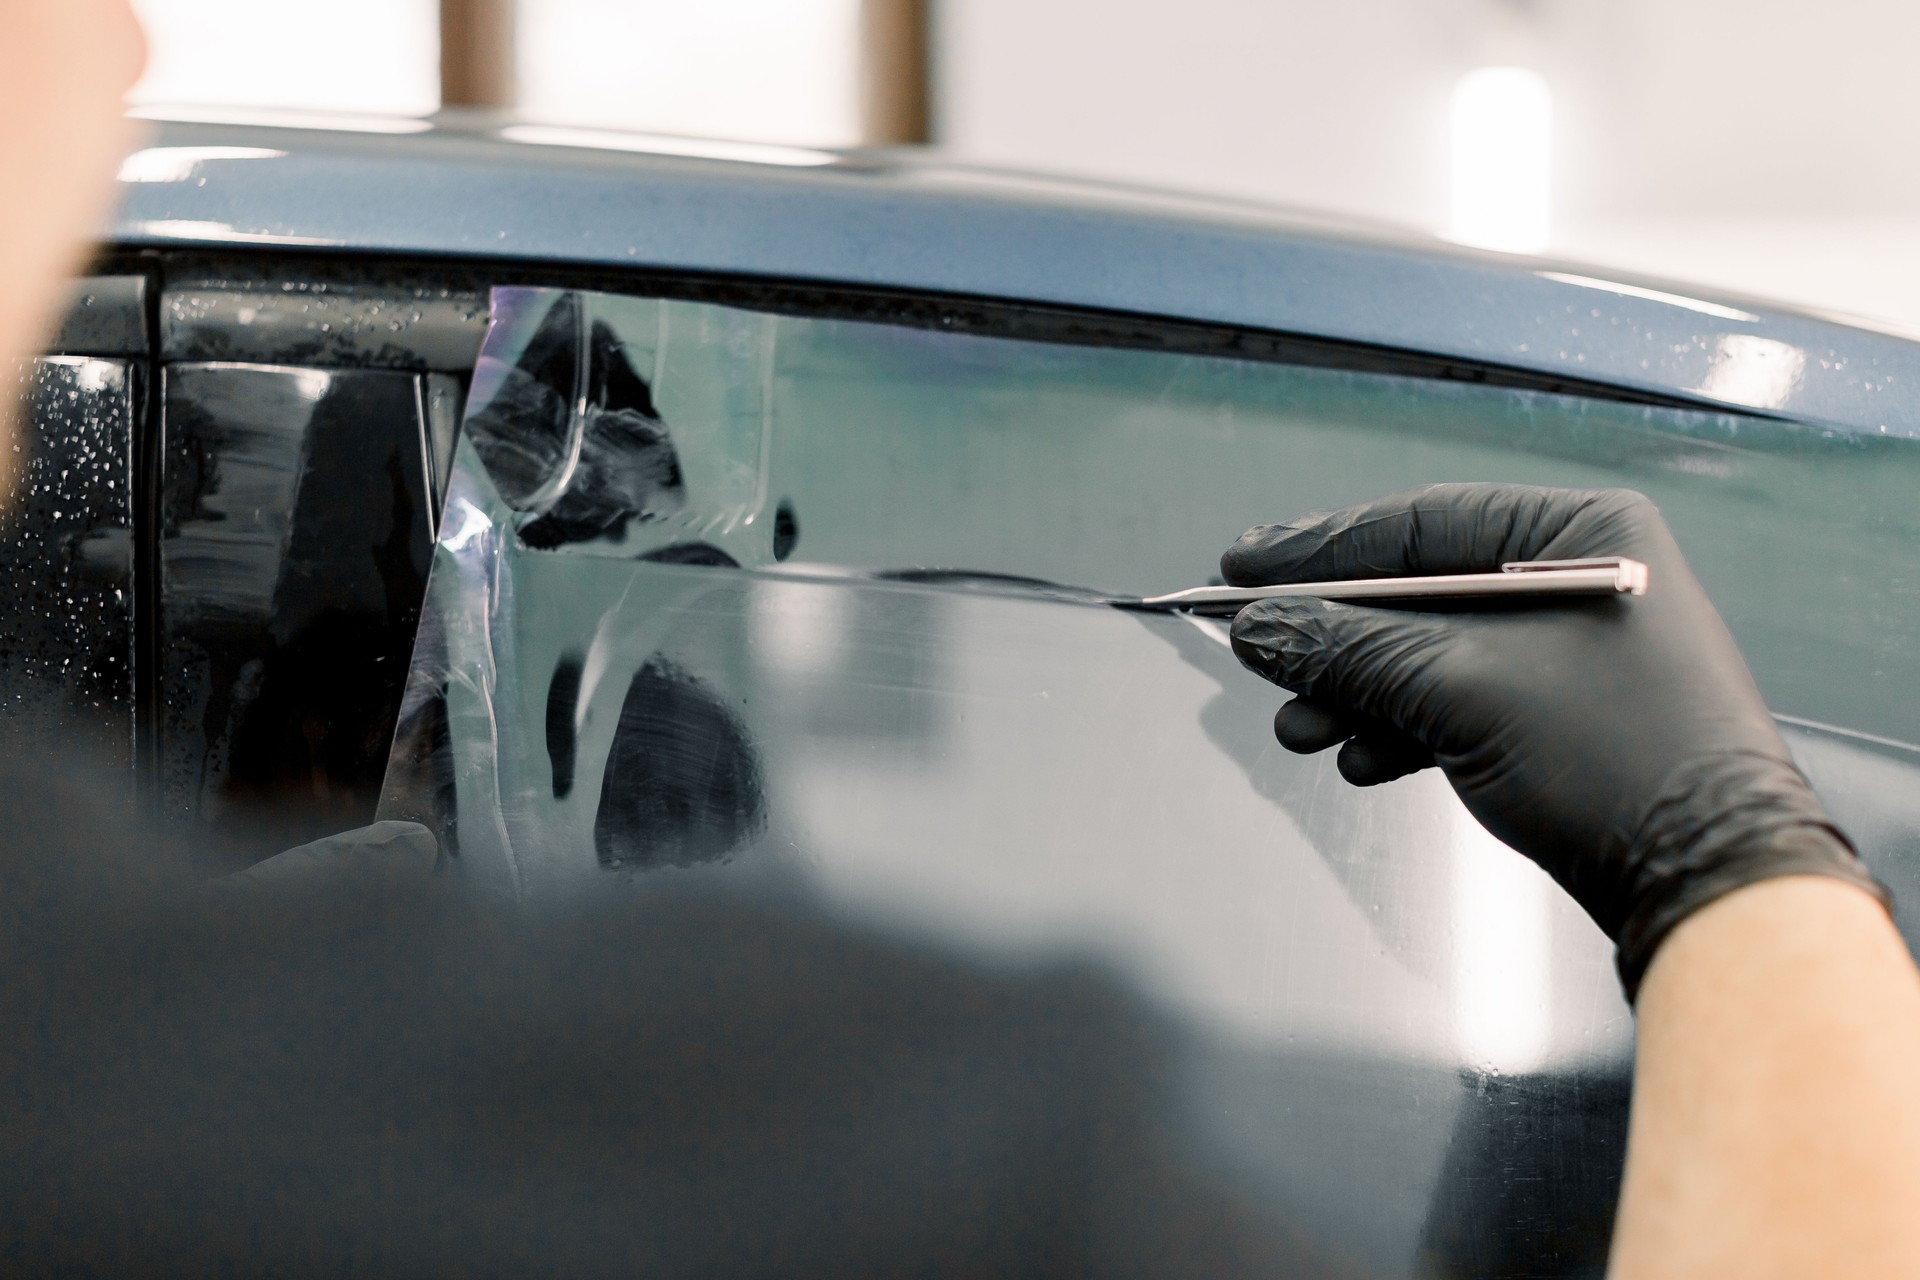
x: 1619, y: 742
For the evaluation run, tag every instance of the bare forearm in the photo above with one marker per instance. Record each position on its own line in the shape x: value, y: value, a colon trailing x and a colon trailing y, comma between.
x: 63, y: 69
x: 1776, y: 1118
x: 1776, y: 1126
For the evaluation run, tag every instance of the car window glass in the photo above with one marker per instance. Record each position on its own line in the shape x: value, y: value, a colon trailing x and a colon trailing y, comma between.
x: 623, y: 457
x: 295, y: 525
x: 684, y: 623
x: 863, y: 446
x: 67, y: 558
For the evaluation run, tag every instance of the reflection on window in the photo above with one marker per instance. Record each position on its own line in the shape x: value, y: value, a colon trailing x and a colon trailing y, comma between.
x: 1754, y: 371
x: 1502, y: 984
x: 1128, y: 471
x: 722, y: 591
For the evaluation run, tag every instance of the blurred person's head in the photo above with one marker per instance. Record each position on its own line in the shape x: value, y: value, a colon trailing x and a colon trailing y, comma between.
x: 65, y: 67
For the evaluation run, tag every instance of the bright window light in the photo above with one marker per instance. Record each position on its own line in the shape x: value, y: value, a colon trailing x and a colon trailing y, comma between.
x: 1502, y: 148
x: 1754, y: 371
x: 180, y: 164
x: 1502, y: 952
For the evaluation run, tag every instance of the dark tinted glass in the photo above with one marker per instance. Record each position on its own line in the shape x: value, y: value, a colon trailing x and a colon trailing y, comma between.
x: 105, y: 316
x: 295, y: 527
x: 66, y: 560
x: 308, y: 315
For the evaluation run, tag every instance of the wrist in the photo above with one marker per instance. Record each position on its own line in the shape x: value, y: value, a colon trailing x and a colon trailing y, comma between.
x: 1688, y: 881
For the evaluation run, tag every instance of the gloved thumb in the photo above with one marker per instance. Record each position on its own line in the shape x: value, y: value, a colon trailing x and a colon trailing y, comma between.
x: 1374, y: 662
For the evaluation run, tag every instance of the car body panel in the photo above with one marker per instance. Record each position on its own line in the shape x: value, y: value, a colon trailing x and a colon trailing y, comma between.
x: 903, y: 225
x: 741, y: 586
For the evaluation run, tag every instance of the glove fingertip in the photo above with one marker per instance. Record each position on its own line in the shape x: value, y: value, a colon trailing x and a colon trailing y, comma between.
x: 1239, y: 563
x: 1304, y: 727
x: 1267, y: 553
x: 1251, y: 639
x: 1286, y: 639
x: 1253, y: 656
x: 1358, y: 765
x: 1365, y: 762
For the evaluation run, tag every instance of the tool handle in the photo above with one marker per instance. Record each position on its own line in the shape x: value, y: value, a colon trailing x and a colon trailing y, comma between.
x: 1612, y: 575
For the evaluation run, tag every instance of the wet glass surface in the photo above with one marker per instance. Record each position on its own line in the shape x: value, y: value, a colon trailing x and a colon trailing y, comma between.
x: 1395, y: 1029
x: 295, y: 531
x: 105, y: 316
x: 320, y: 322
x: 66, y: 559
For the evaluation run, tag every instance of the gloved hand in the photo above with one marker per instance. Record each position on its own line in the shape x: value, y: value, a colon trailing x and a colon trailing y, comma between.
x: 1620, y: 743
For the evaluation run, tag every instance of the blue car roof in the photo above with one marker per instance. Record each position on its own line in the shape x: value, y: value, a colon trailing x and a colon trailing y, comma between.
x: 482, y: 189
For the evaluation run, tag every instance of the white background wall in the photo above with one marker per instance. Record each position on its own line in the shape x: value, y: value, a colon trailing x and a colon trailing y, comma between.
x: 1770, y: 145
x: 341, y: 55
x: 769, y: 70
x: 773, y: 70
x: 1761, y: 145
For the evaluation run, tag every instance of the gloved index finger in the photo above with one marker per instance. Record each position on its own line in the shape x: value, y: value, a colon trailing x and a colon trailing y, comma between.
x: 1441, y: 528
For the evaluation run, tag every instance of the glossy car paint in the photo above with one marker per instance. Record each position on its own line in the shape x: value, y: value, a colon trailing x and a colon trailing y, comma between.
x: 897, y: 223
x: 719, y: 680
